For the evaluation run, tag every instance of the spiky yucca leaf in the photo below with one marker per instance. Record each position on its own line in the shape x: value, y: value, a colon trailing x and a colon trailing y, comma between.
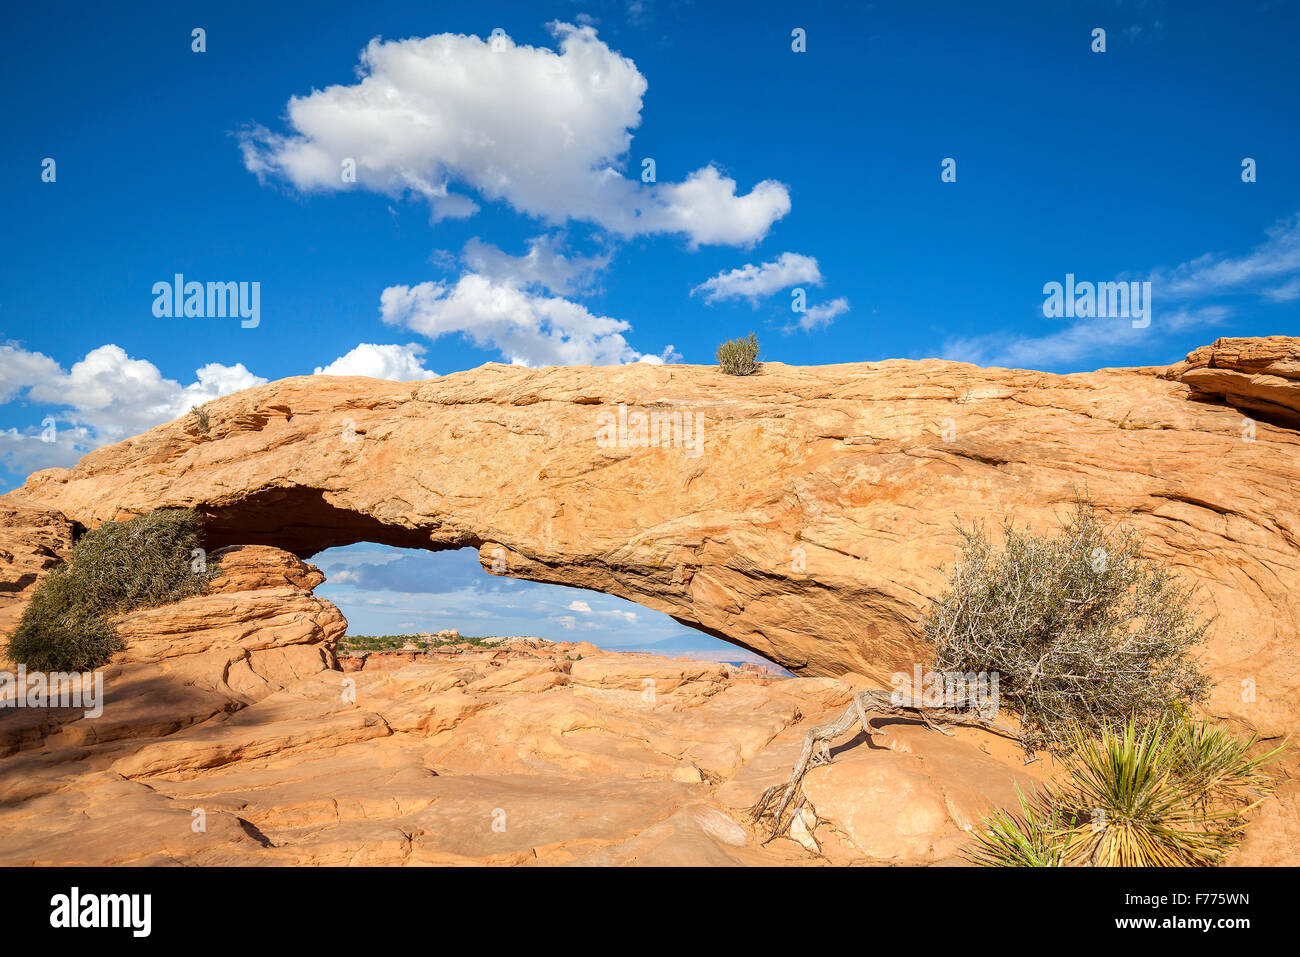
x: 1140, y: 813
x: 1028, y: 839
x: 1218, y: 766
x: 1167, y: 793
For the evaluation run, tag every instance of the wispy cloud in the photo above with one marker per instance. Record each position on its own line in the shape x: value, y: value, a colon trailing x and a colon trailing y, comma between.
x: 1204, y: 292
x: 755, y: 282
x: 817, y: 316
x: 1086, y: 340
x: 1278, y: 258
x: 1287, y: 292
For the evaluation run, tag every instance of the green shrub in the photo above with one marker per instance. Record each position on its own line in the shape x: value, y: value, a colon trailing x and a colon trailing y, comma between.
x: 1080, y: 628
x: 1132, y: 808
x: 117, y: 568
x: 59, y: 633
x: 1027, y: 839
x: 1164, y: 794
x: 736, y: 357
x: 396, y: 642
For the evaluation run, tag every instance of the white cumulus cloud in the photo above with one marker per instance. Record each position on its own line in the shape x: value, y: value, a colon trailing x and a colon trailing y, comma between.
x: 528, y: 328
x: 450, y: 116
x: 20, y: 369
x: 43, y: 448
x: 108, y: 395
x: 104, y: 397
x: 400, y: 363
x: 545, y: 265
x: 116, y: 395
x: 758, y: 282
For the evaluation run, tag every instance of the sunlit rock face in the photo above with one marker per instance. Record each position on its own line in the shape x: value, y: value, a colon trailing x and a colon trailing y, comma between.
x: 804, y: 513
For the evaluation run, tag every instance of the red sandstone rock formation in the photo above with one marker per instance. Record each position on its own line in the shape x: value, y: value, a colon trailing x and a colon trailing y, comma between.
x: 807, y: 530
x: 811, y: 526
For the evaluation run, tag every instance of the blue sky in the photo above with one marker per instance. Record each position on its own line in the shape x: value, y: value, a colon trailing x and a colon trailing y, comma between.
x: 499, y: 212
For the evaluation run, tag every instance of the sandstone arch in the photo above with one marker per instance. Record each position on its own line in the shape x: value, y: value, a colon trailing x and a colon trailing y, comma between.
x: 811, y: 527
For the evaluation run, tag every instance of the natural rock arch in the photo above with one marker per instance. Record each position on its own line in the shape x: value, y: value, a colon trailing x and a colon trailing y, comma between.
x: 812, y: 523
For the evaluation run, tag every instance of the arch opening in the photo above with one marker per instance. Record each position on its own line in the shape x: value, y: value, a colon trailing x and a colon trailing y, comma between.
x: 301, y: 520
x: 378, y: 572
x: 389, y: 591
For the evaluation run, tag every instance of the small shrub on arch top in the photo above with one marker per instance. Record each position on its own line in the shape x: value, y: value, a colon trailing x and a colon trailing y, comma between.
x: 202, y: 423
x: 118, y: 567
x: 736, y: 356
x: 1082, y: 630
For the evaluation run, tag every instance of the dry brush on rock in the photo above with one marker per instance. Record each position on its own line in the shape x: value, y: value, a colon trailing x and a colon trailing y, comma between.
x: 866, y: 705
x: 1078, y: 632
x: 119, y: 567
x: 1081, y: 627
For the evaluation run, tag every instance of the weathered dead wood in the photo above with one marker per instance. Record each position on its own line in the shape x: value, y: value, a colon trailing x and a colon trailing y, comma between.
x: 865, y: 705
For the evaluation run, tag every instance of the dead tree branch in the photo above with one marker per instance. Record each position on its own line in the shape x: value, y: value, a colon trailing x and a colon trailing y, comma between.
x: 865, y: 705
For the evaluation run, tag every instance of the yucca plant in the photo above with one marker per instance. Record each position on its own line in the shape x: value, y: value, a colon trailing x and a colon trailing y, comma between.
x: 1031, y: 838
x: 1218, y: 767
x: 1138, y: 811
x: 1164, y: 793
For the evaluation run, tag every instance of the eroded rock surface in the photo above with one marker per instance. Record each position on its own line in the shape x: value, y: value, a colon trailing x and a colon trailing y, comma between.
x: 32, y: 541
x: 812, y: 522
x: 229, y: 735
x: 1260, y: 376
x: 258, y: 629
x: 808, y: 527
x: 524, y: 754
